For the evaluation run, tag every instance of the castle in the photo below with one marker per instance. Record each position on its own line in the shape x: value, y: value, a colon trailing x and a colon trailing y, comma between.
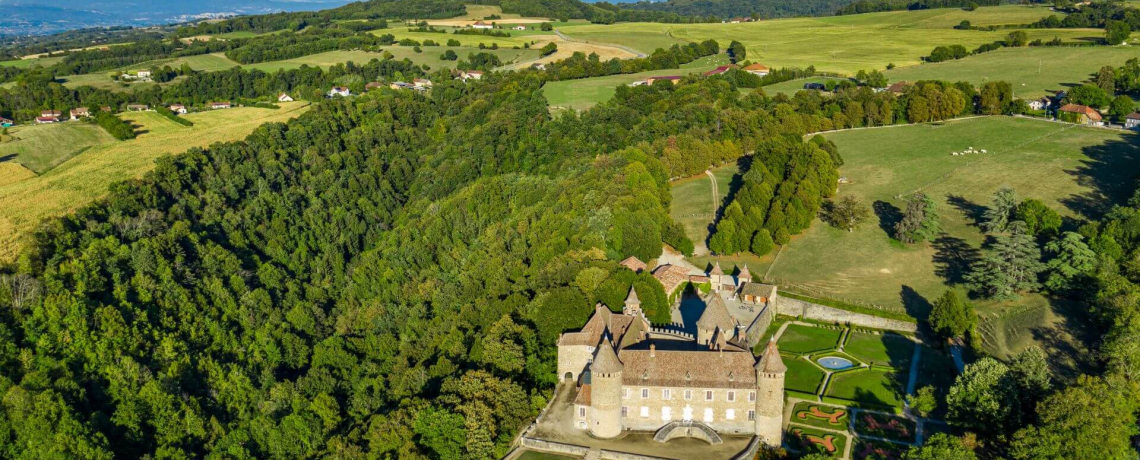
x: 630, y: 376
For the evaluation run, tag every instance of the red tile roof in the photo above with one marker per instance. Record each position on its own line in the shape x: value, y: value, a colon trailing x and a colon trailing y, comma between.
x: 1083, y: 110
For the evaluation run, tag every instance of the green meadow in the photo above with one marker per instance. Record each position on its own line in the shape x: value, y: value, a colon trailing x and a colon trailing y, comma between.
x: 42, y: 147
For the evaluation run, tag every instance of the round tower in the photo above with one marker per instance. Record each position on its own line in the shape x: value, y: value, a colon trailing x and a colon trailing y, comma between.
x: 605, y: 392
x: 770, y: 396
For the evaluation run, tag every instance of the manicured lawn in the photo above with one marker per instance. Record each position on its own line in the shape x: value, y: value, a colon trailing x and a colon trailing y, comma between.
x: 1033, y: 71
x: 868, y: 388
x: 42, y: 147
x: 844, y: 44
x: 802, y: 375
x: 884, y: 350
x: 1075, y: 170
x: 885, y: 426
x: 815, y: 440
x: 85, y: 177
x: 693, y: 205
x: 800, y: 339
x: 822, y: 416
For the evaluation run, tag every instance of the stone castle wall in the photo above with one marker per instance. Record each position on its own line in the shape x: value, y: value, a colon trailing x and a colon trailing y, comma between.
x: 719, y: 405
x: 573, y: 359
x: 794, y: 307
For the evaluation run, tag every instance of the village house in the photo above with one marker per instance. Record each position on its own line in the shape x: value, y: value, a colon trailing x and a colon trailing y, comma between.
x: 220, y: 105
x: 422, y: 83
x: 520, y: 27
x: 50, y: 114
x: 178, y: 109
x: 1081, y: 114
x: 471, y: 75
x: 138, y: 107
x: 46, y: 120
x: 633, y: 264
x: 143, y: 74
x: 482, y: 25
x: 630, y: 377
x: 1040, y: 104
x: 284, y: 97
x: 339, y: 91
x: 719, y: 70
x: 759, y: 70
x: 538, y: 66
x: 1132, y: 121
x: 401, y: 85
x: 80, y: 112
x: 899, y: 87
x: 6, y: 123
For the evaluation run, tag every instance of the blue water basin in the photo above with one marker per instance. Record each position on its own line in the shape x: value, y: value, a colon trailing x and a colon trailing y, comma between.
x: 835, y: 363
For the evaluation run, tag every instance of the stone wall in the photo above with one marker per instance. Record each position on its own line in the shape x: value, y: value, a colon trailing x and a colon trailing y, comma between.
x: 794, y: 307
x: 573, y: 359
x: 759, y: 326
x: 556, y: 447
x: 615, y: 455
x: 749, y: 452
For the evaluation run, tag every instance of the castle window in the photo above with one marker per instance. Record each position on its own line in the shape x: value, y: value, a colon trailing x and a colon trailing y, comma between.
x: 644, y: 411
x: 731, y: 396
x: 708, y: 395
x: 666, y: 413
x: 751, y: 396
x: 624, y: 412
x: 751, y: 415
x: 625, y: 393
x: 581, y: 411
x: 730, y: 414
x: 666, y: 394
x: 708, y: 415
x: 644, y: 393
x: 688, y: 395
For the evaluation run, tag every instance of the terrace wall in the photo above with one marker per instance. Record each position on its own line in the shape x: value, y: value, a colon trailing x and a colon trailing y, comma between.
x: 794, y: 307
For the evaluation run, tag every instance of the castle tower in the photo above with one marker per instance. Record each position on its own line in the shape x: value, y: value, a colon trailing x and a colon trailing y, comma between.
x: 770, y: 396
x: 605, y: 392
x: 715, y: 316
x: 743, y: 277
x: 632, y: 304
x: 715, y: 276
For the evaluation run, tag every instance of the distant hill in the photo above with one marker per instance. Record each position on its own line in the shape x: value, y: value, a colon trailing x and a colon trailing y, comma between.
x: 33, y: 17
x: 737, y: 8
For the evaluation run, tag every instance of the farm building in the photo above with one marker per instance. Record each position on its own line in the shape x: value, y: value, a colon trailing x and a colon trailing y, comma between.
x: 1040, y: 104
x: 339, y: 91
x: 1081, y: 114
x: 670, y: 78
x: 1132, y: 121
x: 143, y: 74
x: 373, y: 85
x: 50, y: 114
x: 284, y: 97
x: 759, y: 70
x: 633, y: 264
x: 482, y: 25
x: 899, y: 87
x: 138, y: 107
x: 719, y: 70
x: 421, y: 83
x: 178, y: 108
x: 220, y: 105
x: 46, y: 120
x: 80, y: 112
x: 520, y: 27
x: 471, y: 75
x: 401, y: 85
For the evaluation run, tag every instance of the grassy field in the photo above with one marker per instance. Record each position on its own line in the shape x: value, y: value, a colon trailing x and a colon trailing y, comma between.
x: 204, y: 62
x: 802, y: 375
x: 868, y: 387
x: 800, y: 339
x: 26, y: 63
x: 42, y: 147
x: 1076, y: 170
x: 844, y: 44
x: 790, y: 87
x: 12, y: 172
x: 516, y: 39
x: 1033, y: 71
x: 884, y: 350
x: 585, y: 93
x: 85, y: 177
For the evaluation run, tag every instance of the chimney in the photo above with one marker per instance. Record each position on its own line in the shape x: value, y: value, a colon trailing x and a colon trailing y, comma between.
x: 652, y: 350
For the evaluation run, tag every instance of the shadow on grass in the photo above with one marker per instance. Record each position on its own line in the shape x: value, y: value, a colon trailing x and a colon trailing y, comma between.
x: 953, y: 258
x: 974, y: 212
x: 888, y: 215
x: 8, y: 157
x: 1109, y: 173
x: 915, y: 304
x: 1064, y: 342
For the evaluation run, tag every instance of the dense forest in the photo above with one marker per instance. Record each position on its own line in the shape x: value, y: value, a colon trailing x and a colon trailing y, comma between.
x: 871, y: 6
x: 1093, y: 15
x: 726, y: 9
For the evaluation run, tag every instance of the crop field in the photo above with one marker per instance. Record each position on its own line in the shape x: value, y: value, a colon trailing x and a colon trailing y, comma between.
x: 26, y: 63
x: 1033, y: 71
x: 800, y: 339
x: 584, y: 93
x: 205, y: 62
x: 12, y: 172
x: 85, y: 177
x: 843, y: 44
x: 643, y: 37
x: 42, y: 147
x: 884, y: 349
x: 401, y: 32
x: 1077, y: 171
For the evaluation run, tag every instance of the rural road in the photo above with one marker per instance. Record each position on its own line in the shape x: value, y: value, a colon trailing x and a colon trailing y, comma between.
x: 621, y: 47
x: 715, y: 192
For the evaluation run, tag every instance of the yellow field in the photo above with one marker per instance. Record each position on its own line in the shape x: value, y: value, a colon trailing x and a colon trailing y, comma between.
x: 12, y: 172
x: 78, y: 181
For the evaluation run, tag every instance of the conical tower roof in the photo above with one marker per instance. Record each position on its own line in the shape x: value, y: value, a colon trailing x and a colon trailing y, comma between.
x: 716, y: 314
x: 606, y: 361
x: 744, y: 275
x: 770, y: 361
x: 632, y: 298
x: 716, y: 269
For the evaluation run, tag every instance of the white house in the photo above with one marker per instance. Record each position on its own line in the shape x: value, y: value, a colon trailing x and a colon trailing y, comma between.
x: 1040, y: 104
x: 178, y: 109
x: 144, y: 74
x: 520, y: 27
x: 482, y: 25
x: 1132, y: 121
x: 339, y: 91
x: 284, y: 97
x: 471, y: 75
x: 421, y: 83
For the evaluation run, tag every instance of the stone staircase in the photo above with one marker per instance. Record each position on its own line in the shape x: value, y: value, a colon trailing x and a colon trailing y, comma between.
x: 593, y: 454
